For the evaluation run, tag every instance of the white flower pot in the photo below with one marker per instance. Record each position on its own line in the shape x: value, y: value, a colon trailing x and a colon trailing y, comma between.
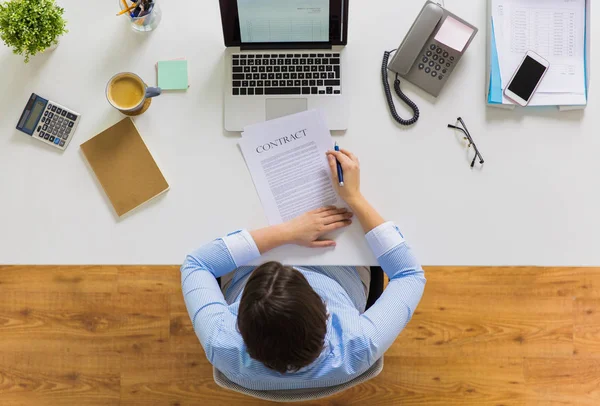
x: 51, y: 48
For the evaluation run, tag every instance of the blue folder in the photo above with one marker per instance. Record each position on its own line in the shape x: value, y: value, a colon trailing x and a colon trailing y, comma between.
x: 495, y: 94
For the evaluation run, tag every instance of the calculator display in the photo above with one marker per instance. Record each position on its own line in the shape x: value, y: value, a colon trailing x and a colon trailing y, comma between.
x: 35, y: 114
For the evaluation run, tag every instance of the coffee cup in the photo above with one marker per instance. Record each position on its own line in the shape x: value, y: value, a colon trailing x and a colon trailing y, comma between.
x: 127, y: 92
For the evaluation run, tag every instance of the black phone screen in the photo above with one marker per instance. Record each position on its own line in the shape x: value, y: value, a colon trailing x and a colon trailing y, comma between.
x: 527, y: 78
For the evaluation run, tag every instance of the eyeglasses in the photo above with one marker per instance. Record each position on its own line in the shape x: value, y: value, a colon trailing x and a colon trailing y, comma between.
x: 463, y: 128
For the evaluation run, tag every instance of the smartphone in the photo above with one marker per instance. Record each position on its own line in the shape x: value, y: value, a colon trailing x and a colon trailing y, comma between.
x: 527, y: 78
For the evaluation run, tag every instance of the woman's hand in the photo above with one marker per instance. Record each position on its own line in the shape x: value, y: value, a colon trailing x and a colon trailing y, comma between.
x: 369, y: 217
x: 304, y: 230
x: 309, y: 227
x: 350, y: 192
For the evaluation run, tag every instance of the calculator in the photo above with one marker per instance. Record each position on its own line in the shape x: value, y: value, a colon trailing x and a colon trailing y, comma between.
x: 48, y: 122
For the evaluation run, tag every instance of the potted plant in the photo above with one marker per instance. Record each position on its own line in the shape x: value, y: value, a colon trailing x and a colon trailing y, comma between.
x: 31, y: 26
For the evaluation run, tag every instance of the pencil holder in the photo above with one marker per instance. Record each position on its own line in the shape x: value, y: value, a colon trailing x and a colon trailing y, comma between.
x: 142, y: 19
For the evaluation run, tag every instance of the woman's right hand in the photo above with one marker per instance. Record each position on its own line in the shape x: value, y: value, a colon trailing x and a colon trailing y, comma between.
x: 350, y: 192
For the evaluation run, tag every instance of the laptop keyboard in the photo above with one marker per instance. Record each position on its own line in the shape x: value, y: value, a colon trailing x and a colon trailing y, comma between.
x: 286, y: 74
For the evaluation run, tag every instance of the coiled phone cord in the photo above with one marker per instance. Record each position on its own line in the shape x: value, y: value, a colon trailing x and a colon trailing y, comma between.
x: 403, y: 97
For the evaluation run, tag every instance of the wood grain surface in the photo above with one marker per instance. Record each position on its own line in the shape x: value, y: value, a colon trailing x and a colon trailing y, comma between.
x: 121, y: 336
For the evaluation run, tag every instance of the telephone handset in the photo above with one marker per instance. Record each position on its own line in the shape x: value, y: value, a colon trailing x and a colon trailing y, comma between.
x: 428, y: 54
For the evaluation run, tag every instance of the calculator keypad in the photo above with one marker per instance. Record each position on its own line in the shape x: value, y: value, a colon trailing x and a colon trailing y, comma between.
x: 436, y: 62
x: 56, y: 126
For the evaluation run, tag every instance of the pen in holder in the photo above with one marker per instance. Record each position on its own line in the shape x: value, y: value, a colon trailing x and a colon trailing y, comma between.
x: 144, y: 15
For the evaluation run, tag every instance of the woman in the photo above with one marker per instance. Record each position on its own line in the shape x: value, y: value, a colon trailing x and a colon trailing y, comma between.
x: 280, y: 327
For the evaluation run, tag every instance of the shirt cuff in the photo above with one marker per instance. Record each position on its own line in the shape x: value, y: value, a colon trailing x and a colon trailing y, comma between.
x: 383, y: 238
x: 242, y: 247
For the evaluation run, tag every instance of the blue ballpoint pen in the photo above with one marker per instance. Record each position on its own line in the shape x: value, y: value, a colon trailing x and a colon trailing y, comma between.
x: 339, y: 167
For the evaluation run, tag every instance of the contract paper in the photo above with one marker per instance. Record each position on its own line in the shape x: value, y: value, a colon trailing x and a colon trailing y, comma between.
x: 288, y: 164
x: 555, y: 29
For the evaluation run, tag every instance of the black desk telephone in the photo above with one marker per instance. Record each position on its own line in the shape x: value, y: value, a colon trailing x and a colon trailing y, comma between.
x: 427, y: 56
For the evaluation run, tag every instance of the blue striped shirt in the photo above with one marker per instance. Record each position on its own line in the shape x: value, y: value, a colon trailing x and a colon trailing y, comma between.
x: 355, y: 338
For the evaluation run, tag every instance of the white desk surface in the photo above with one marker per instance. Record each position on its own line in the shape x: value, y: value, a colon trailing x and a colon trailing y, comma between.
x: 536, y: 201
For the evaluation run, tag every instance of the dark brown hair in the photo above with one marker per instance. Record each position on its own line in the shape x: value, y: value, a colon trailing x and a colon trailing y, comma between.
x: 281, y: 318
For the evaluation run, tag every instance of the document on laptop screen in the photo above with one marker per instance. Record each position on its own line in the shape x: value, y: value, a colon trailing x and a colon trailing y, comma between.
x: 287, y: 161
x: 284, y: 21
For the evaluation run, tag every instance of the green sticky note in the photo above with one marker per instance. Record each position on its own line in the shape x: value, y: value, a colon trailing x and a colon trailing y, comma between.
x: 173, y: 75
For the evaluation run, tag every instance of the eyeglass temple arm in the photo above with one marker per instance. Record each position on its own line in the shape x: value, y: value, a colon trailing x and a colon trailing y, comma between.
x: 481, y: 161
x: 477, y: 153
x: 464, y: 132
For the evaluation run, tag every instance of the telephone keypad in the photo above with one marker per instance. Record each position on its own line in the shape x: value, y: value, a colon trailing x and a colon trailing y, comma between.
x: 436, y: 61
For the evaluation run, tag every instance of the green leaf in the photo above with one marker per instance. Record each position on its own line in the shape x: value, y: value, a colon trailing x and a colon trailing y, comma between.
x: 31, y: 26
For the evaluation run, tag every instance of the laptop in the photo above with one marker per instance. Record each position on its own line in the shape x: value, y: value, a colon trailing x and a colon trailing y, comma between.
x: 284, y: 57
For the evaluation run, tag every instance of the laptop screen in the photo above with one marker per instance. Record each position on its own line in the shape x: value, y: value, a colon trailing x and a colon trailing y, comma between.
x: 267, y: 24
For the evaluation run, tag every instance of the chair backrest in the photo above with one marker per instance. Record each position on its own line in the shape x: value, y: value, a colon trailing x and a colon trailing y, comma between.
x: 376, y: 286
x: 298, y: 395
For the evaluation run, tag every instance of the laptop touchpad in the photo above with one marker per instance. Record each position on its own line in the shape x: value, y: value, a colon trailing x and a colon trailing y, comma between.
x: 284, y: 107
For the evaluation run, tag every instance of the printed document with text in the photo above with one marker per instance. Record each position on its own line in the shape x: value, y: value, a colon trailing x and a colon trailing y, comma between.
x: 555, y: 29
x: 286, y: 158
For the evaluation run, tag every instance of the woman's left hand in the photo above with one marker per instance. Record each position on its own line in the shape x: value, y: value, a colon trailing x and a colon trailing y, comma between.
x: 306, y: 229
